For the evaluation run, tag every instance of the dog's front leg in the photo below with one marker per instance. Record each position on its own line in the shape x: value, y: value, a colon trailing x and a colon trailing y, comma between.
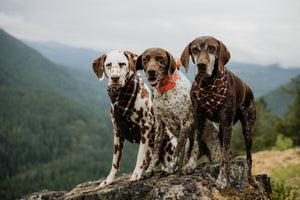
x: 118, y: 150
x: 142, y: 157
x: 184, y: 133
x: 222, y: 180
x: 158, y: 140
x: 191, y: 165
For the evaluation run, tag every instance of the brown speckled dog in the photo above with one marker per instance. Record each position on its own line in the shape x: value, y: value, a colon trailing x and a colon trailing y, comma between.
x: 233, y: 99
x: 173, y: 109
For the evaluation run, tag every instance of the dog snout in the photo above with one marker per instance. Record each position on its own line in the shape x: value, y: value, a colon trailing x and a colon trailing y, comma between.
x: 151, y: 72
x: 202, y: 65
x: 115, y: 78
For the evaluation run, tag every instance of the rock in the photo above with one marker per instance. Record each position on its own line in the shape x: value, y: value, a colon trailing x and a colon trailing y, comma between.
x: 43, y: 195
x: 197, y: 185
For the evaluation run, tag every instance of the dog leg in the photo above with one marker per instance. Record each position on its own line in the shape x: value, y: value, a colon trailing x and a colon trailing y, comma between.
x: 118, y: 150
x: 158, y: 140
x: 248, y: 120
x: 185, y: 131
x: 188, y: 149
x: 141, y: 158
x: 210, y: 137
x: 222, y: 179
x: 191, y: 165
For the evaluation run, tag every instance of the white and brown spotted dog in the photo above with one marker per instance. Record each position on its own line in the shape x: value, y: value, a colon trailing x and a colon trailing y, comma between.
x: 137, y: 125
x: 173, y: 109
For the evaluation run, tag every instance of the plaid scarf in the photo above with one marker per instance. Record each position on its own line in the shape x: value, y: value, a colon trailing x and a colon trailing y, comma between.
x: 123, y: 100
x: 211, y: 97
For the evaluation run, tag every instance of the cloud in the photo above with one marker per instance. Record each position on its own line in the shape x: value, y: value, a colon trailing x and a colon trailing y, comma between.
x: 258, y: 31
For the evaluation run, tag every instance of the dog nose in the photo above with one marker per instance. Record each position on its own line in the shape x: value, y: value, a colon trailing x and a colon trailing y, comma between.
x: 202, y: 64
x: 151, y: 72
x: 115, y: 78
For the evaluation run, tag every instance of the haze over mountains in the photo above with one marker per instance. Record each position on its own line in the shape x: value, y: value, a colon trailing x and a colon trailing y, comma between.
x: 261, y: 79
x: 264, y: 80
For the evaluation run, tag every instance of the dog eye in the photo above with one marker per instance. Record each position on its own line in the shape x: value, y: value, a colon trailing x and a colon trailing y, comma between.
x: 122, y: 64
x: 211, y: 48
x: 146, y: 59
x: 195, y: 50
x: 159, y: 58
x: 108, y: 65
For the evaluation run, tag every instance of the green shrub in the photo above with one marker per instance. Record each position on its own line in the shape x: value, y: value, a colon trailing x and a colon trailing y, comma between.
x: 282, y: 143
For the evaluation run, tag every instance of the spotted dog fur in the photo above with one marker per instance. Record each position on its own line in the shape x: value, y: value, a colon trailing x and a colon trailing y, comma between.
x: 118, y: 66
x: 210, y: 56
x: 174, y: 112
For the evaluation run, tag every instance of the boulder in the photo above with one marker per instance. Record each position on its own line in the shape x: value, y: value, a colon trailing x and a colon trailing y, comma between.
x: 197, y: 185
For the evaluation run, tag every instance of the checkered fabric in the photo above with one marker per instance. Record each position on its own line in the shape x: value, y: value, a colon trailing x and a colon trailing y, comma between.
x: 123, y: 100
x: 213, y: 96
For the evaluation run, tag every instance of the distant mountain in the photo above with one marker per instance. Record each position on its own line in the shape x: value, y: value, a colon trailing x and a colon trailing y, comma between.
x: 277, y: 100
x: 65, y: 55
x: 261, y: 79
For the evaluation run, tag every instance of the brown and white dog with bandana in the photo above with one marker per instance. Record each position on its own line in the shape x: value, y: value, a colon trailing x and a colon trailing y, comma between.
x: 221, y: 96
x: 173, y: 110
x: 131, y: 110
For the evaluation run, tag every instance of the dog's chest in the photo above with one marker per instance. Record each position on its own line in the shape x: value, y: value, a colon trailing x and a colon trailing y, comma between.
x: 174, y: 106
x: 127, y: 129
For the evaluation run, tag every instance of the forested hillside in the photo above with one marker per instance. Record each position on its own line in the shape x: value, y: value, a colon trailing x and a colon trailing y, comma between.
x: 55, y: 129
x: 278, y: 100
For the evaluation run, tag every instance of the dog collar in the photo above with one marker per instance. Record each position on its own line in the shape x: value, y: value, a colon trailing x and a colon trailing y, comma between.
x: 169, y: 85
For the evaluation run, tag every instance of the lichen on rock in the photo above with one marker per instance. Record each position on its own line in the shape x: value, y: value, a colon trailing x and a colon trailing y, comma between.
x: 197, y: 185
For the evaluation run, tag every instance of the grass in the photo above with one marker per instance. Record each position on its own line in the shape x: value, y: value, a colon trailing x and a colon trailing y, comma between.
x: 286, y: 183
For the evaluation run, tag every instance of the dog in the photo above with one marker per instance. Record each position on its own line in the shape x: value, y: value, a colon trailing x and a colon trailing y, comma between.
x: 221, y: 96
x: 133, y: 118
x: 173, y: 109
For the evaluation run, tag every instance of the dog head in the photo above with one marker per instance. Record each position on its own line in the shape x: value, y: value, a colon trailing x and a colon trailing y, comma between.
x: 118, y: 67
x: 207, y: 54
x: 157, y: 64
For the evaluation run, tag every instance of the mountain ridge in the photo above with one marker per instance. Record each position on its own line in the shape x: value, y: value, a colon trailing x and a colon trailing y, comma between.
x: 261, y: 79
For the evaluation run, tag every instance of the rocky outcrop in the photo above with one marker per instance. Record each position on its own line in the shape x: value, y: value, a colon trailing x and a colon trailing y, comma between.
x: 197, y: 185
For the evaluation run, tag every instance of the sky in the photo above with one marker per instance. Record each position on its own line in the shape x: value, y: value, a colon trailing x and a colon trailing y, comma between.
x: 262, y: 32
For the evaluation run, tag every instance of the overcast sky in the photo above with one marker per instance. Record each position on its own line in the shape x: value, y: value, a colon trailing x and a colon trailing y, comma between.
x: 257, y: 31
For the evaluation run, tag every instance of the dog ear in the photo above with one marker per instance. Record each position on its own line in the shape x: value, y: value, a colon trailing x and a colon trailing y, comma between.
x: 223, y: 57
x: 172, y: 64
x: 185, y: 57
x: 138, y: 65
x: 98, y: 66
x: 132, y: 58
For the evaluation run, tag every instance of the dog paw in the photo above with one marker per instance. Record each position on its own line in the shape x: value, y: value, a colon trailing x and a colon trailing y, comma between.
x: 134, y: 177
x: 148, y: 173
x: 105, y: 183
x: 221, y: 183
x: 168, y: 170
x: 187, y: 169
x: 164, y: 174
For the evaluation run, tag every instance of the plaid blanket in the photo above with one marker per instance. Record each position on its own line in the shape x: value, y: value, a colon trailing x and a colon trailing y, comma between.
x: 213, y: 96
x: 123, y: 100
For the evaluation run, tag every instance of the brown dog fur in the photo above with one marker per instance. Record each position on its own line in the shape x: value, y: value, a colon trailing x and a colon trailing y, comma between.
x: 208, y: 52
